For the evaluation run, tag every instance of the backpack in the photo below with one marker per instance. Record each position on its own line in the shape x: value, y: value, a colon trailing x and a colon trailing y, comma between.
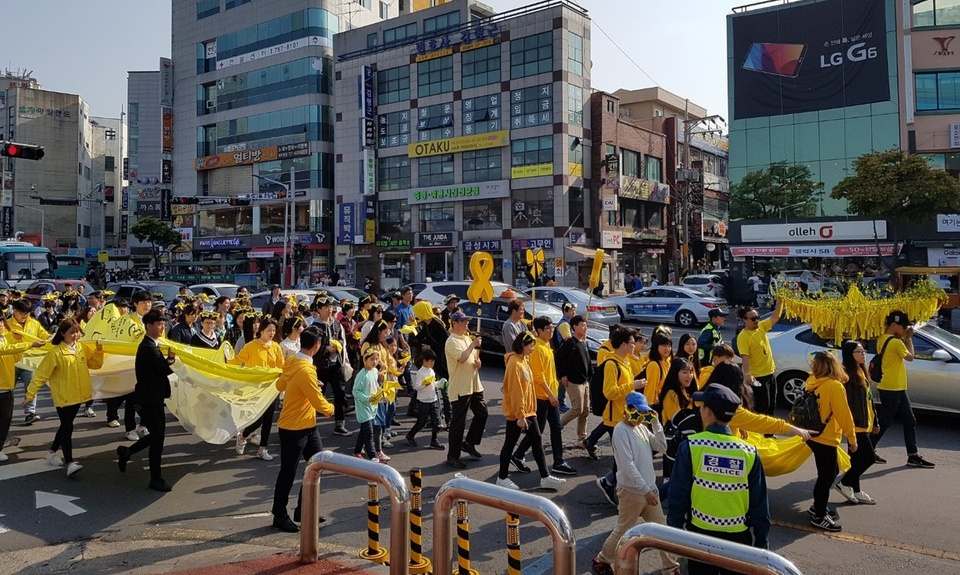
x: 684, y: 423
x: 598, y: 401
x: 805, y: 413
x: 875, y: 369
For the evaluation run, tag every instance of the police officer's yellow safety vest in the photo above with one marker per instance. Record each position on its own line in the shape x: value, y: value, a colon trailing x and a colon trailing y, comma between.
x: 720, y: 496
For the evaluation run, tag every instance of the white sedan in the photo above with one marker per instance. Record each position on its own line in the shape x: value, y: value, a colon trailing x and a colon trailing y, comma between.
x: 667, y: 304
x: 933, y: 377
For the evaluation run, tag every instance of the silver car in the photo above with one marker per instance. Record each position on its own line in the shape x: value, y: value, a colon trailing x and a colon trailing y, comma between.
x: 933, y: 377
x: 600, y: 309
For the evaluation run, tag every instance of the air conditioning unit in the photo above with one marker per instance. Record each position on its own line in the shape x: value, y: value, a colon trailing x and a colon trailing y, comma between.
x: 211, y: 104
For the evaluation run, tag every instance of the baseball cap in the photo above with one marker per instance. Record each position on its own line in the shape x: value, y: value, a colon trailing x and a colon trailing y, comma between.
x: 568, y: 306
x: 638, y: 401
x: 459, y: 316
x: 899, y: 317
x: 451, y: 297
x: 721, y: 400
x: 717, y: 312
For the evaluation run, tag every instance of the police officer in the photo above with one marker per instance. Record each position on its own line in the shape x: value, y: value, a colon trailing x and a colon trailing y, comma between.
x: 717, y: 486
x: 710, y: 335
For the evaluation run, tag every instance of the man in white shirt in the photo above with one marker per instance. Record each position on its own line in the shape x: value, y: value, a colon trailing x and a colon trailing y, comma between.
x: 465, y: 391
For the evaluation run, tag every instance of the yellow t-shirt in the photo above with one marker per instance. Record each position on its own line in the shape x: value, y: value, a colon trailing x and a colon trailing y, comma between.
x: 894, y: 368
x: 755, y: 344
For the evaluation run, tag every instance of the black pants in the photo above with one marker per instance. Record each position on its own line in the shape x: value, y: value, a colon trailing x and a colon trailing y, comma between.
x: 531, y: 436
x: 765, y: 396
x: 599, y: 431
x: 365, y: 440
x: 265, y: 423
x: 129, y: 411
x: 827, y: 469
x: 6, y: 415
x: 333, y: 377
x: 154, y: 419
x: 475, y: 403
x: 64, y: 437
x: 696, y: 568
x: 860, y: 461
x: 895, y: 406
x: 427, y: 413
x: 546, y: 414
x: 294, y: 444
x: 447, y: 410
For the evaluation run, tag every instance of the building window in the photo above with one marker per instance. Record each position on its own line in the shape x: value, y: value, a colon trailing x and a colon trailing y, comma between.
x: 109, y: 163
x: 441, y: 22
x: 384, y: 10
x: 299, y: 24
x: 610, y: 107
x: 294, y: 78
x: 482, y: 165
x: 230, y: 4
x: 435, y: 171
x: 393, y: 217
x: 393, y: 173
x: 372, y: 40
x: 271, y: 218
x: 435, y: 122
x: 482, y: 215
x: 226, y: 222
x: 393, y: 129
x: 531, y: 151
x: 400, y: 33
x: 207, y: 8
x: 531, y: 106
x: 531, y: 55
x: 575, y: 55
x: 936, y: 13
x: 938, y: 91
x: 393, y: 85
x: 437, y: 217
x: 313, y: 171
x: 575, y: 105
x: 481, y: 114
x: 133, y: 112
x: 630, y: 161
x: 481, y: 66
x: 435, y: 76
x: 575, y: 146
x: 306, y: 123
x: 652, y: 168
x: 575, y: 207
x: 532, y: 208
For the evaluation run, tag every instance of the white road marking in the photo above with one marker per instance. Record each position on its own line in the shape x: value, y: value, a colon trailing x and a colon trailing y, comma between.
x: 2, y: 528
x: 61, y: 503
x: 25, y: 468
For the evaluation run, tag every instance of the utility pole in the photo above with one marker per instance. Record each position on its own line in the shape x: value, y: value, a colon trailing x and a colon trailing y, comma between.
x: 685, y: 249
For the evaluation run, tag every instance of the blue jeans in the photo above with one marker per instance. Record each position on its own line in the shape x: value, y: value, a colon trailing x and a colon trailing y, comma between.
x: 23, y: 376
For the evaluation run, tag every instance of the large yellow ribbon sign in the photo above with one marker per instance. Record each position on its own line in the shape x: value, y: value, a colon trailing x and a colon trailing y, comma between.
x: 481, y: 270
x: 597, y: 268
x: 535, y: 262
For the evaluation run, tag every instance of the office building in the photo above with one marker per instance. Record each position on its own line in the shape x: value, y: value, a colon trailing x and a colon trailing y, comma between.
x: 107, y: 180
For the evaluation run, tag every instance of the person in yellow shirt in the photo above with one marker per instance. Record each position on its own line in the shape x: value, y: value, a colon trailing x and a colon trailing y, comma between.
x: 826, y: 381
x: 22, y: 327
x: 545, y: 385
x: 261, y: 352
x: 66, y: 369
x: 860, y: 400
x: 661, y: 352
x: 678, y: 388
x: 9, y: 351
x: 722, y: 353
x: 297, y: 425
x: 753, y: 343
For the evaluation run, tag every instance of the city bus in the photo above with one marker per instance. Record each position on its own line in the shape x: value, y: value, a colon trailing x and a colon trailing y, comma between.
x: 21, y: 263
x: 71, y: 267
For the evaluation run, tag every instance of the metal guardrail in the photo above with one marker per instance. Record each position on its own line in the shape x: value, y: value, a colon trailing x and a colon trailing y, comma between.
x: 510, y: 501
x: 388, y: 477
x: 724, y: 554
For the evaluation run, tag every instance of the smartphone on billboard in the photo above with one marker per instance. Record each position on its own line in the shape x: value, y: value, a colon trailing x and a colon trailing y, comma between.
x: 775, y: 59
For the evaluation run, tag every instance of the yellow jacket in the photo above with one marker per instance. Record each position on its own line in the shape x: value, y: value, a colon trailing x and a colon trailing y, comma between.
x: 832, y: 399
x: 519, y: 400
x: 764, y: 424
x: 67, y: 372
x: 656, y: 375
x: 303, y: 397
x: 544, y: 370
x: 9, y: 354
x: 704, y: 376
x: 258, y: 354
x: 637, y: 363
x: 671, y: 405
x: 615, y: 389
x: 30, y: 328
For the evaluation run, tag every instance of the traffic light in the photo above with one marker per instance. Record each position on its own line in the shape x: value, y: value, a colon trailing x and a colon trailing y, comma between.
x: 21, y: 151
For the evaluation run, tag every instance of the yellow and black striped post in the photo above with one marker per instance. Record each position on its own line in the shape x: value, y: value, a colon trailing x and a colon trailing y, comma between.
x: 463, y: 541
x: 374, y: 552
x: 513, y: 544
x: 419, y: 564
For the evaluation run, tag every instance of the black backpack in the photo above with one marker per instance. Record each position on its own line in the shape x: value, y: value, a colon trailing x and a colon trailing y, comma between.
x: 805, y: 413
x: 684, y: 423
x: 875, y: 369
x: 598, y: 401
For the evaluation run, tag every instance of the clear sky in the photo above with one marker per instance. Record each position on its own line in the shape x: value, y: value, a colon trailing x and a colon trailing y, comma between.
x: 87, y: 46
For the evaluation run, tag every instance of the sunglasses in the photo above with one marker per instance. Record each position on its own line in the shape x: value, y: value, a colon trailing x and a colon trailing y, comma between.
x: 752, y: 318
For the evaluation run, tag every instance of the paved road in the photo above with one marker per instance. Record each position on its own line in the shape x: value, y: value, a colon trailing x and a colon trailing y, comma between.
x: 218, y: 509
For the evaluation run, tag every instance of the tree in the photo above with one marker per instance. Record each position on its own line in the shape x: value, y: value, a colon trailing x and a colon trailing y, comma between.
x: 778, y: 191
x: 158, y: 234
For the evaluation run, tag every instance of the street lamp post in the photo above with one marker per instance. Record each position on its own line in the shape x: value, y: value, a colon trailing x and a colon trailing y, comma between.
x: 289, y: 212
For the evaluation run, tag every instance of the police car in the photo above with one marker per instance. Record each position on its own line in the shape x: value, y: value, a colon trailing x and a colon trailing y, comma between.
x: 667, y: 304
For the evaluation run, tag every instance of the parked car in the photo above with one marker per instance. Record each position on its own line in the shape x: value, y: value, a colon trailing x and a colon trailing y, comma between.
x: 216, y: 290
x: 495, y: 313
x: 601, y: 309
x: 304, y: 296
x: 168, y: 290
x: 680, y: 305
x: 343, y: 293
x: 934, y: 376
x: 436, y: 292
x: 40, y: 288
x: 710, y: 284
x: 809, y: 280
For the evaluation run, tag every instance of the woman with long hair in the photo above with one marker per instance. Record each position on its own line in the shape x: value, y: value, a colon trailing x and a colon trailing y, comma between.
x: 687, y: 349
x: 661, y: 352
x: 261, y: 352
x: 249, y: 329
x: 860, y: 400
x: 676, y: 396
x: 187, y: 316
x: 66, y: 369
x: 292, y: 328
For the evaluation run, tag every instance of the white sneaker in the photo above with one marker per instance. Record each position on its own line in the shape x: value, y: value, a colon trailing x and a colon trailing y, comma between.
x: 263, y: 454
x: 241, y: 443
x: 73, y: 468
x: 133, y: 435
x: 254, y: 437
x: 865, y: 499
x: 142, y: 431
x: 113, y: 423
x: 90, y: 412
x: 3, y: 457
x: 847, y: 492
x: 55, y: 459
x: 507, y: 483
x: 551, y: 482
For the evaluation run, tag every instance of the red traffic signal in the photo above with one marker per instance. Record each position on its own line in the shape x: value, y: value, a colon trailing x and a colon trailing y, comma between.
x: 21, y: 151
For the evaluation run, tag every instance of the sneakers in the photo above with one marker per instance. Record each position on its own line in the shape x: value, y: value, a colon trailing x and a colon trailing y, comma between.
x: 3, y: 457
x: 507, y: 483
x: 89, y: 412
x: 73, y: 468
x: 142, y: 431
x: 341, y: 430
x: 263, y: 454
x: 519, y: 465
x: 917, y: 461
x: 383, y: 457
x: 846, y: 491
x: 113, y: 423
x: 123, y: 456
x: 864, y: 499
x: 55, y: 459
x: 456, y: 463
x: 563, y: 468
x: 551, y: 482
x: 601, y: 567
x: 437, y: 445
x: 241, y: 444
x: 826, y: 523
x: 285, y: 524
x: 878, y: 460
x: 471, y: 450
x: 387, y: 443
x: 411, y: 441
x: 831, y: 513
x: 609, y: 492
x: 29, y: 418
x: 132, y: 435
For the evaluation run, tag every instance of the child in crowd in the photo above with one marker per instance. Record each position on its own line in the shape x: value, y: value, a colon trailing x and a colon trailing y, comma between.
x: 428, y: 400
x: 366, y: 396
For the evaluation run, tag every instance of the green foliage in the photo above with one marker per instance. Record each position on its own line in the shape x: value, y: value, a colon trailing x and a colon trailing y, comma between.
x: 156, y: 233
x: 780, y: 190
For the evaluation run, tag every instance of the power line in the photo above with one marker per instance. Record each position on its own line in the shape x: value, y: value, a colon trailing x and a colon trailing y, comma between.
x: 624, y: 52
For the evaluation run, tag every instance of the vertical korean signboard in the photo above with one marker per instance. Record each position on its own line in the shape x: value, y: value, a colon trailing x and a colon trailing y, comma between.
x: 368, y: 103
x: 347, y: 222
x: 167, y: 131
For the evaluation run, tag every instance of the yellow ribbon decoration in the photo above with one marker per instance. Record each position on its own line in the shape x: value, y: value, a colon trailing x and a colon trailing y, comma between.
x: 597, y: 268
x: 481, y: 270
x: 535, y: 262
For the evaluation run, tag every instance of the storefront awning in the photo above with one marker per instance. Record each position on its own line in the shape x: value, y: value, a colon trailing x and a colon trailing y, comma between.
x: 813, y: 251
x: 581, y: 253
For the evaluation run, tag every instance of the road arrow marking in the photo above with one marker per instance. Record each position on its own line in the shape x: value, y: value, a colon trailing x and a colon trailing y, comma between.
x: 61, y: 503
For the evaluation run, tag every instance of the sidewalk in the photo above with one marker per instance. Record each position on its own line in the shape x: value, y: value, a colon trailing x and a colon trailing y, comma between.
x: 286, y: 564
